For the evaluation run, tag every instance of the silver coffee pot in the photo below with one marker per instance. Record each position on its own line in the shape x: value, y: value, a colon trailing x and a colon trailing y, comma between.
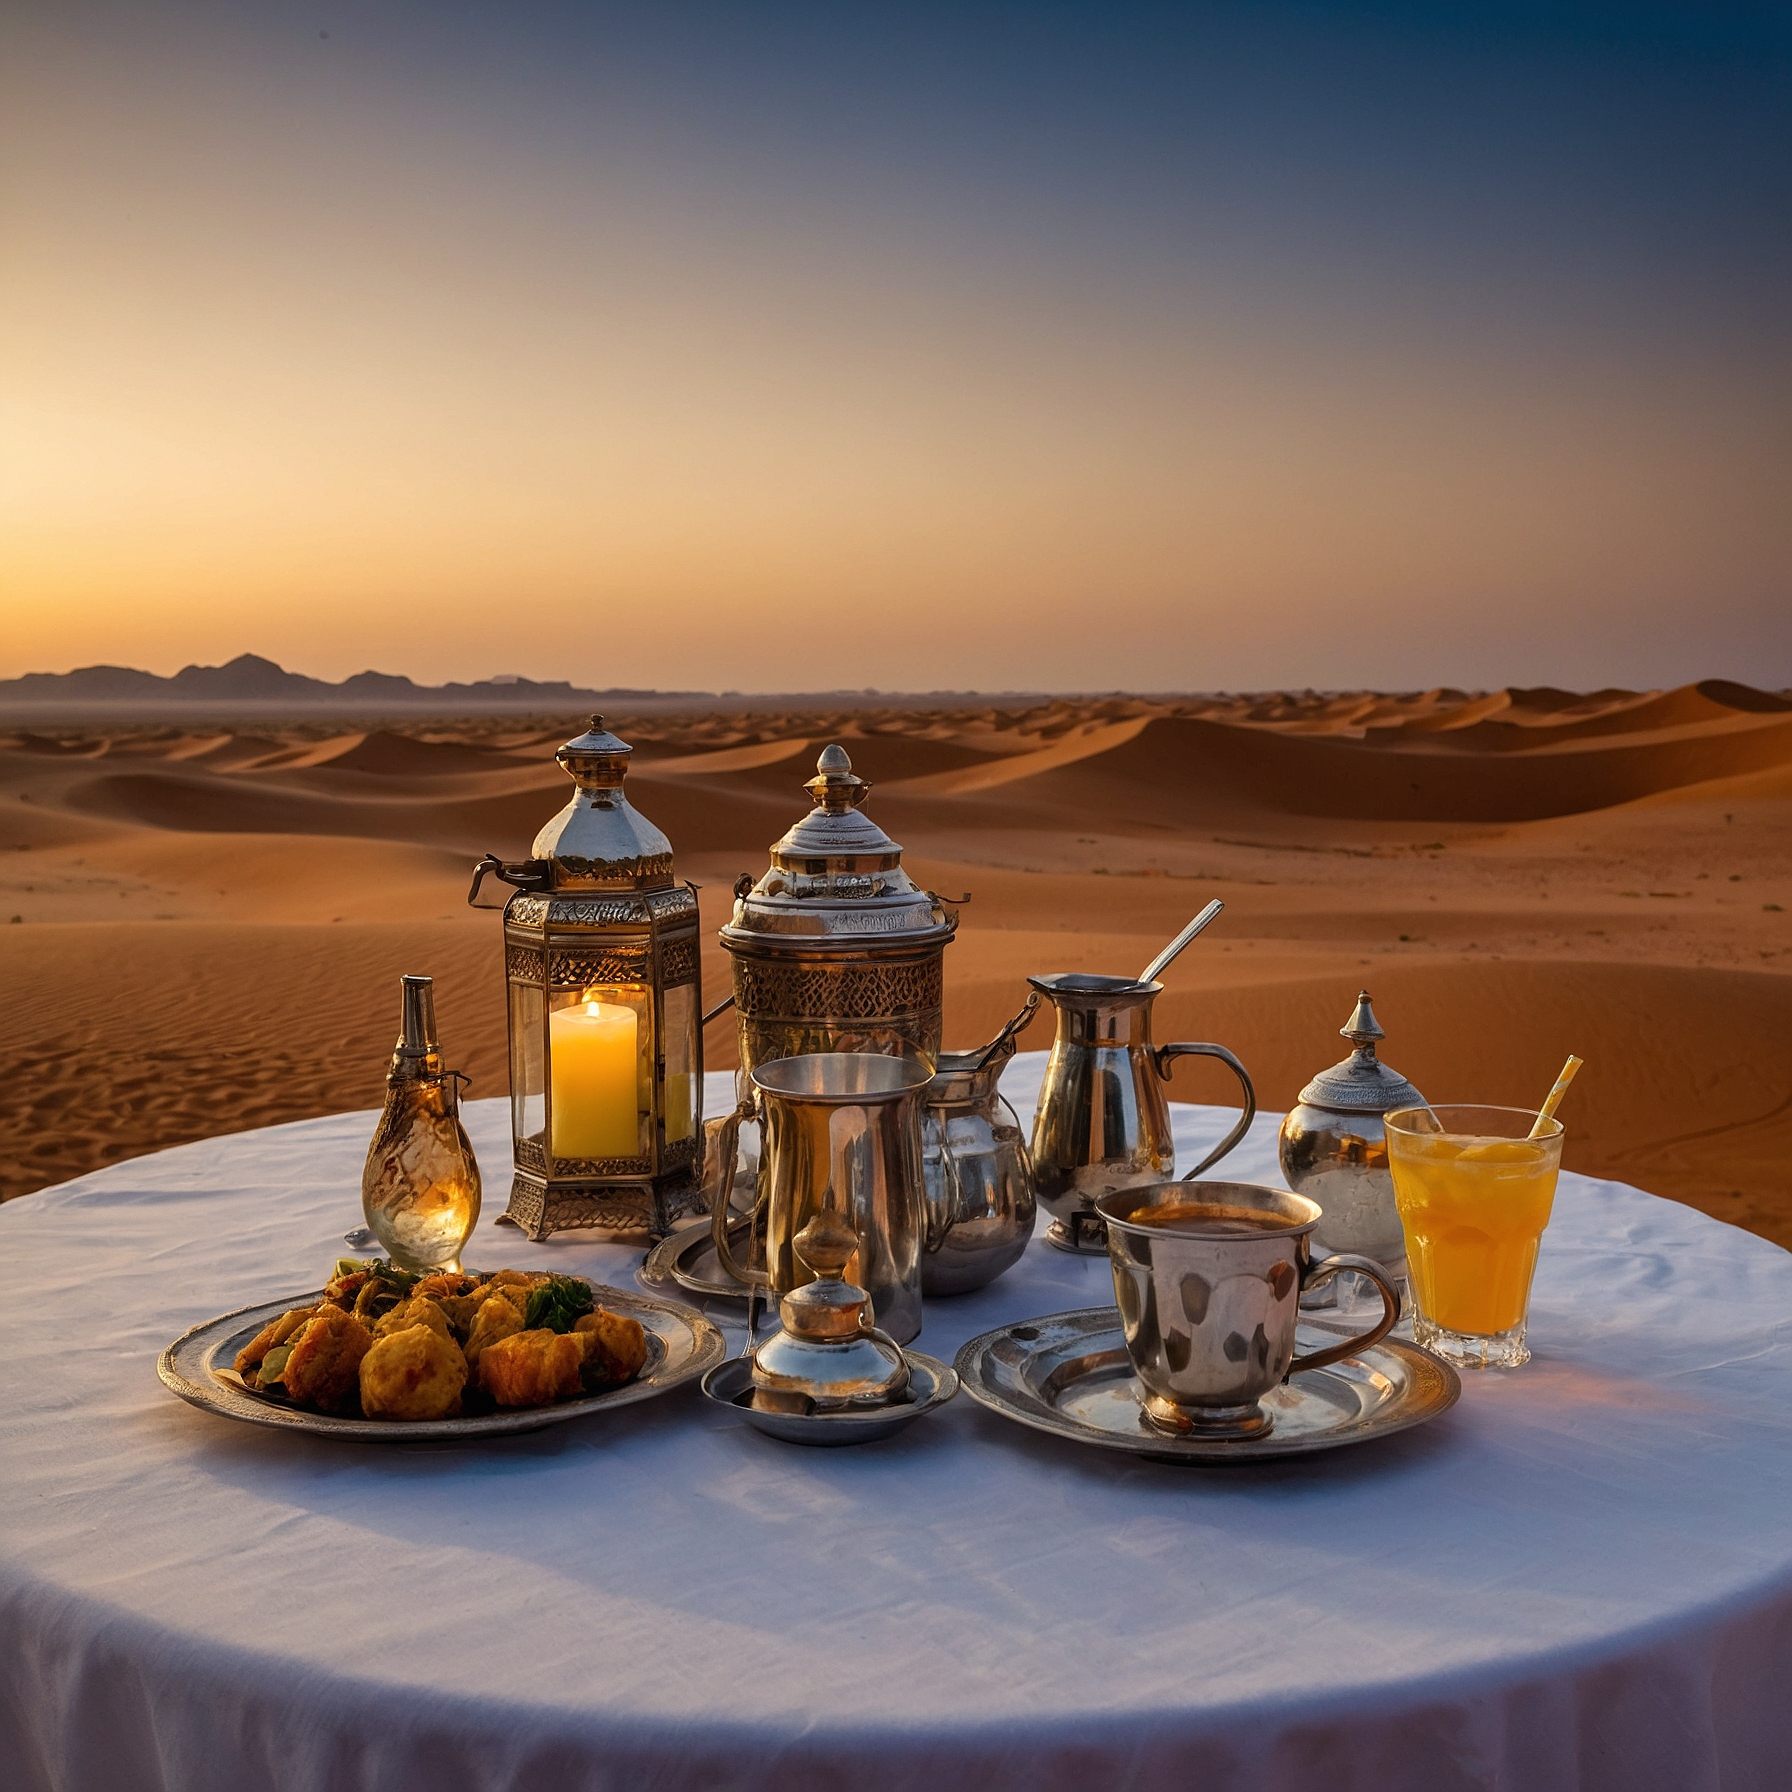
x: 1333, y: 1147
x: 1103, y: 1122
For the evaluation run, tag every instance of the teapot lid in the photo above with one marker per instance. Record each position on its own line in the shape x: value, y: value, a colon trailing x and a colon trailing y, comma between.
x: 599, y: 839
x: 1361, y: 1083
x: 836, y: 873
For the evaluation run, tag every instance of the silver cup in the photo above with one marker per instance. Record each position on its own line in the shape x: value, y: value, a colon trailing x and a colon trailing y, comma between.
x: 1209, y: 1299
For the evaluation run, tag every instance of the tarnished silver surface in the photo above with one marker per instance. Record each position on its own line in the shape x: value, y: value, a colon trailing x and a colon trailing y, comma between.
x: 1068, y: 1374
x: 1103, y: 1122
x: 1333, y: 1146
x: 979, y: 1179
x: 687, y: 1261
x: 931, y: 1385
x: 198, y: 1367
x: 840, y: 1131
x: 1208, y: 1302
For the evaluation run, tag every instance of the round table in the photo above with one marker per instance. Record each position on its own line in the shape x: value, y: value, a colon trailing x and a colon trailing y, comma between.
x: 1579, y: 1577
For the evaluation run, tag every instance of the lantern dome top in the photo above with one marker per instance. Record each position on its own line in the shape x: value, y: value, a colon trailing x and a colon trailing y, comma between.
x: 599, y: 840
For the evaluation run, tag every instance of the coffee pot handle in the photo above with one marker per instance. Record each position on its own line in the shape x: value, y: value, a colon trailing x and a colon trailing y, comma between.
x: 1162, y: 1057
x: 728, y: 1149
x: 1390, y: 1309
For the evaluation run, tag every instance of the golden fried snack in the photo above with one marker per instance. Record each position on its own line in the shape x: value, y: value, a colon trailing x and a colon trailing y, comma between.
x: 276, y: 1331
x: 496, y: 1319
x: 415, y: 1373
x: 460, y: 1310
x: 324, y: 1368
x: 615, y: 1349
x: 418, y: 1310
x: 532, y: 1368
x: 446, y: 1281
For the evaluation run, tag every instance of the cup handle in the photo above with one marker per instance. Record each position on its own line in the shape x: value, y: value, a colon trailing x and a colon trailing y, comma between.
x: 1390, y: 1309
x: 727, y: 1148
x: 1162, y: 1058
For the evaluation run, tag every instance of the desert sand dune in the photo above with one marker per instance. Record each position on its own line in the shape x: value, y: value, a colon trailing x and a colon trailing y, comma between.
x: 212, y: 921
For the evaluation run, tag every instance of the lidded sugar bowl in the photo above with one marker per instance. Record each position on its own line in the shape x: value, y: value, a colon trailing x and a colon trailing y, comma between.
x: 829, y: 1357
x: 836, y: 948
x: 1333, y: 1147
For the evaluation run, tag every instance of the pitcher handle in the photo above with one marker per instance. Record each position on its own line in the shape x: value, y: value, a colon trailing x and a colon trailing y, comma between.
x: 1390, y: 1309
x: 938, y: 1230
x: 1162, y: 1057
x: 728, y: 1149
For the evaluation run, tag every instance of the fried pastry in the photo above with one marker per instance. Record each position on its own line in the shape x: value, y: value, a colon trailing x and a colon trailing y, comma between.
x: 532, y: 1368
x: 495, y: 1319
x: 416, y: 1372
x: 615, y: 1349
x: 418, y: 1310
x: 276, y: 1331
x: 324, y: 1368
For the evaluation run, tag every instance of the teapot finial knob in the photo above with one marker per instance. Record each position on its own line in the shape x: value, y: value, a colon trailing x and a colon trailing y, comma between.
x: 834, y: 786
x: 826, y: 1244
x: 1362, y: 1029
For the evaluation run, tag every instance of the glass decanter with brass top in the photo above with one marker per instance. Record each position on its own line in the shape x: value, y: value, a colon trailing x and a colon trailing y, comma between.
x: 420, y: 1188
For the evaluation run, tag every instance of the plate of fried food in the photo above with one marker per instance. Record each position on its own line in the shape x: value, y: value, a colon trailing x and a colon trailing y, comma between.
x: 389, y: 1356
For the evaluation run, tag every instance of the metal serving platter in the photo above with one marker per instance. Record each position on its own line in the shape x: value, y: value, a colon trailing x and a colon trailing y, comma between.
x: 687, y: 1260
x: 1069, y: 1374
x: 681, y: 1345
x: 931, y: 1385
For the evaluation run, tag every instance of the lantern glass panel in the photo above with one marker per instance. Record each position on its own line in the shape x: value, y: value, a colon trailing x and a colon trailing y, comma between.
x: 684, y: 1105
x: 528, y: 1071
x: 600, y: 1058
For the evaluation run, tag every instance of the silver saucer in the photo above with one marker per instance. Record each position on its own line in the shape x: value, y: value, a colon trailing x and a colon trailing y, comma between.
x: 687, y: 1261
x: 199, y: 1366
x: 1069, y: 1374
x: 931, y: 1385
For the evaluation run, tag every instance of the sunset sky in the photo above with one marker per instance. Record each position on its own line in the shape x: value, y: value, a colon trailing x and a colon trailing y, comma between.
x: 803, y: 347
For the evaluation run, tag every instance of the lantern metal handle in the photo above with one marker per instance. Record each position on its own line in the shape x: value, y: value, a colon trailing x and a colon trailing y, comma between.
x: 531, y: 874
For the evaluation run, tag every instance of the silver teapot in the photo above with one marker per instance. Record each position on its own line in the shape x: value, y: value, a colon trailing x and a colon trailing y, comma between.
x: 1333, y: 1148
x: 976, y: 1168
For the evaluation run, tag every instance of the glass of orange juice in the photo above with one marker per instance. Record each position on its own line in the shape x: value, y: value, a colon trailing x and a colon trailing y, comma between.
x: 1474, y: 1189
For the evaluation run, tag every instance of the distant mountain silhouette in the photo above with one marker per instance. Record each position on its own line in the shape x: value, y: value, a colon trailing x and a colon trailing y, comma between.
x: 249, y: 681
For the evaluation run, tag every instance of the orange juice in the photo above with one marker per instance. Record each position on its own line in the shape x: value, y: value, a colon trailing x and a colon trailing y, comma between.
x: 1473, y: 1210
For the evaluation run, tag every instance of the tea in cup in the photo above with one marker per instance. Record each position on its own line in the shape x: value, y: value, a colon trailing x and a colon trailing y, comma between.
x: 1208, y: 1278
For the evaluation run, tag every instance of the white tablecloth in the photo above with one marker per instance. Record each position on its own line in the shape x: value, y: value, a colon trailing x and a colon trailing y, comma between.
x: 1580, y: 1577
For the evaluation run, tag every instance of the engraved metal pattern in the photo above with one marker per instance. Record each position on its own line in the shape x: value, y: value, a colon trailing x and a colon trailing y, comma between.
x: 637, y: 1210
x: 578, y: 970
x: 668, y: 905
x: 842, y: 992
x: 522, y: 964
x: 596, y: 911
x: 678, y: 961
x: 529, y: 1155
x: 600, y: 1169
x: 526, y: 911
x: 525, y: 1209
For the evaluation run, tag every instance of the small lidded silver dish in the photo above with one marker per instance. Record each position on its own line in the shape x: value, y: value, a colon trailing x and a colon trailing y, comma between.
x: 1333, y: 1148
x: 829, y: 1357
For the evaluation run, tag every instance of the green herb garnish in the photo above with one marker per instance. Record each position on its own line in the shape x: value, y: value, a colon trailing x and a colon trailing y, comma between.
x: 557, y: 1304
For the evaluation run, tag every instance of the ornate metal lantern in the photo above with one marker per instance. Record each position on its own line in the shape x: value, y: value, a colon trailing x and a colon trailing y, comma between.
x: 605, y: 1000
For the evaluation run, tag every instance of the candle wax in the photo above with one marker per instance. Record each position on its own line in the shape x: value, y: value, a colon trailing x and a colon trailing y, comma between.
x: 592, y: 1051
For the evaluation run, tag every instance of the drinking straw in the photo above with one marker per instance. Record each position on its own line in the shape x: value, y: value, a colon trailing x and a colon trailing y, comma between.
x: 1553, y: 1099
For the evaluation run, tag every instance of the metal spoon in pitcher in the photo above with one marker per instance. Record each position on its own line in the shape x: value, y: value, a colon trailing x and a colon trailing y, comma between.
x: 1161, y: 962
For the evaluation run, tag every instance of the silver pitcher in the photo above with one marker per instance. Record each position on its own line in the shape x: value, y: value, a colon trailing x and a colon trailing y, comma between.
x: 840, y: 1132
x: 980, y: 1204
x: 1103, y: 1122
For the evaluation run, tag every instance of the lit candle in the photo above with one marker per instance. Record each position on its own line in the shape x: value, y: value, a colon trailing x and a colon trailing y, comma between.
x: 592, y: 1051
